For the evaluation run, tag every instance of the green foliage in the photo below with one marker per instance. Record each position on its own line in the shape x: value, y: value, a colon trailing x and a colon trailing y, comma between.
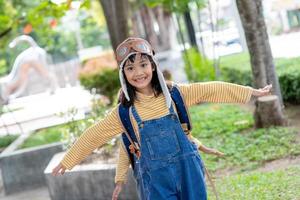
x: 7, y: 140
x: 105, y: 82
x: 92, y: 34
x: 289, y: 78
x: 7, y: 14
x: 226, y: 127
x: 274, y: 185
x: 237, y: 69
x: 2, y: 67
x: 74, y: 128
x: 177, y: 6
x: 43, y: 136
x: 201, y: 68
x: 59, y: 41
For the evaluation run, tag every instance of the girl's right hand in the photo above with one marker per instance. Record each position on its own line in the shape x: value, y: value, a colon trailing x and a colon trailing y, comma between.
x: 117, y: 190
x: 59, y: 169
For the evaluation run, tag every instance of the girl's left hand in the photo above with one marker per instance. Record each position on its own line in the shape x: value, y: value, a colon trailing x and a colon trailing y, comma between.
x: 262, y: 91
x: 117, y: 191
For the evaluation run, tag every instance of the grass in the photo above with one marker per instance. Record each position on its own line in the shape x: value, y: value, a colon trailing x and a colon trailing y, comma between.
x: 242, y: 61
x: 275, y: 185
x: 228, y: 129
x: 43, y: 136
x: 239, y: 60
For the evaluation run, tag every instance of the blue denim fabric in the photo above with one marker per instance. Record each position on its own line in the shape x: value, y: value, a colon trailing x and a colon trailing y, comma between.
x: 170, y: 167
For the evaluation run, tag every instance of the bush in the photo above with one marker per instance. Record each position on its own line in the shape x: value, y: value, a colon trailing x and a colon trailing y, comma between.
x: 105, y: 82
x: 289, y: 78
x: 7, y: 140
x: 201, y: 69
x: 236, y: 69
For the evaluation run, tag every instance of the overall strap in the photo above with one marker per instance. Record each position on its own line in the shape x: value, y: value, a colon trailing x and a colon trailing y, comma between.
x: 181, y: 108
x: 129, y: 138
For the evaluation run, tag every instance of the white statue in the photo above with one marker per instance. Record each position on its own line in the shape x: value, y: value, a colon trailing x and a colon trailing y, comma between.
x: 34, y: 57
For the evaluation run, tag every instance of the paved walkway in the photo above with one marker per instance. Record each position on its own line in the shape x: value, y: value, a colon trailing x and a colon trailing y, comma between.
x: 42, y: 110
x: 37, y: 194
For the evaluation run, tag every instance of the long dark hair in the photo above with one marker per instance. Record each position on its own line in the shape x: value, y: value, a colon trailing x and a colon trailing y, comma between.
x: 132, y: 91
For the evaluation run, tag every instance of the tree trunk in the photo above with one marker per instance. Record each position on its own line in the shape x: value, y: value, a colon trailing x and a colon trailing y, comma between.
x: 263, y: 70
x: 268, y: 113
x: 116, y: 15
x: 251, y: 13
x: 191, y: 30
x: 163, y: 19
x: 148, y: 21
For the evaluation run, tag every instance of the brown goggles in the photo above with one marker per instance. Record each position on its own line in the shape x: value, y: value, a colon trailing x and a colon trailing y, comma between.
x: 132, y: 45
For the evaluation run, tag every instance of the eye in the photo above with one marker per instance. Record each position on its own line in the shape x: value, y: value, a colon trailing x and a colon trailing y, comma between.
x: 128, y: 68
x: 144, y: 64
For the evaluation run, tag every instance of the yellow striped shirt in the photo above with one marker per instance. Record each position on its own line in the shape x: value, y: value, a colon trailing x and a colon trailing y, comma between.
x: 150, y: 107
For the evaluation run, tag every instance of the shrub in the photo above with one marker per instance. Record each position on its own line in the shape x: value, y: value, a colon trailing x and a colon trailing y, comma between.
x: 105, y: 82
x: 7, y: 140
x: 236, y: 69
x: 201, y: 69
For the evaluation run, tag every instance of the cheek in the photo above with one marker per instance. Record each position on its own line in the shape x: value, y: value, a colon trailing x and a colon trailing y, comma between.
x: 128, y: 75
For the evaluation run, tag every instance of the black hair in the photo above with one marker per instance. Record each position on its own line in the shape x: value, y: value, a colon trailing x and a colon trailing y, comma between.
x: 132, y: 91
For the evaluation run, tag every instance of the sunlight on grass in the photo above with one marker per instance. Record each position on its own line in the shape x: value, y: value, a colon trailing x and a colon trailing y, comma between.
x: 227, y: 128
x: 275, y: 185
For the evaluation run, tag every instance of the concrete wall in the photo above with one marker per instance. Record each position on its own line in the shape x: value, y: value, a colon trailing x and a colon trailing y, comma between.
x: 24, y: 169
x: 87, y: 182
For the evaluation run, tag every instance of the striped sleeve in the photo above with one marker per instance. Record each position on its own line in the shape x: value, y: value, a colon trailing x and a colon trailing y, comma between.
x: 92, y: 138
x: 215, y: 92
x: 122, y: 165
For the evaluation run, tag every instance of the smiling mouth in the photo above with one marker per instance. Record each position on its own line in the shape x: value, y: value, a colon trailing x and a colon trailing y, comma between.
x: 140, y: 79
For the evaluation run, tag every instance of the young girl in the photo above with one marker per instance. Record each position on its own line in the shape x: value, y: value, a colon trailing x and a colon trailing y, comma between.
x: 169, y: 166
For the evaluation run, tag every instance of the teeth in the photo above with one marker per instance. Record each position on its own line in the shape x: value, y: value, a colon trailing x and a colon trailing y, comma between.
x: 139, y: 79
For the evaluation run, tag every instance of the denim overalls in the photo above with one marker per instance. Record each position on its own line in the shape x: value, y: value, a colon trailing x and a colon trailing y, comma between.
x: 170, y: 167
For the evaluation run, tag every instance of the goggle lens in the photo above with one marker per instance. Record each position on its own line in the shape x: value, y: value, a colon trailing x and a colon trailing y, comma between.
x: 143, y: 48
x: 122, y: 52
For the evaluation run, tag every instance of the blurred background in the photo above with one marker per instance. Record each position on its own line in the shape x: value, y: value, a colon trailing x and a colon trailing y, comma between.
x: 58, y: 75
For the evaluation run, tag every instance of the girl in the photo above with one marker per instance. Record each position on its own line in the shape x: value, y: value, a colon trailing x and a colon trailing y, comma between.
x: 169, y: 166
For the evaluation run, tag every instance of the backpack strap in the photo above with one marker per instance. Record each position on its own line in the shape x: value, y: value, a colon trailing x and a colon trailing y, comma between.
x: 129, y: 138
x: 182, y: 110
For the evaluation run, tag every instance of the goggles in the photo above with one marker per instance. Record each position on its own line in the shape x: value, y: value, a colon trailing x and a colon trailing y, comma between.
x: 130, y: 45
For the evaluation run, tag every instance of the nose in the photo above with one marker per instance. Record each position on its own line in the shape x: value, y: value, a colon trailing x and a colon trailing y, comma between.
x: 138, y: 71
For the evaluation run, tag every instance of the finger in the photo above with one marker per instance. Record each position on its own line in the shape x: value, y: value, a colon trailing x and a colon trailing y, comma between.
x: 221, y: 154
x: 268, y: 87
x: 54, y: 171
x: 63, y: 171
x: 115, y: 195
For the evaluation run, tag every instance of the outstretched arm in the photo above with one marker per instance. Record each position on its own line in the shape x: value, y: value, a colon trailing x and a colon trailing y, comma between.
x: 219, y: 92
x: 92, y: 138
